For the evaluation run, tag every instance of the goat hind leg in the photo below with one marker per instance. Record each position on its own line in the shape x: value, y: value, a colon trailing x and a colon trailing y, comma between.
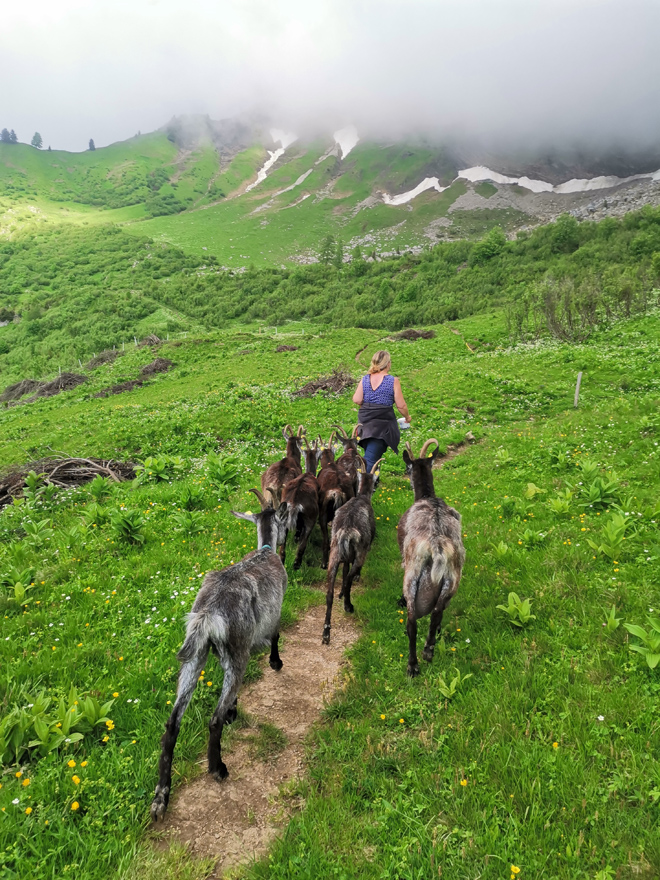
x: 333, y: 565
x: 188, y: 676
x: 353, y: 573
x: 227, y: 703
x: 434, y: 626
x: 274, y: 659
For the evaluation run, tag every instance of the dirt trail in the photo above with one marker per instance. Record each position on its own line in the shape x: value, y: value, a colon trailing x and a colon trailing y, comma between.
x: 236, y: 821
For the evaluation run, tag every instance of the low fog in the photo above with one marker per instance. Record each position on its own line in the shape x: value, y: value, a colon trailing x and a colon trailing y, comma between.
x: 517, y: 72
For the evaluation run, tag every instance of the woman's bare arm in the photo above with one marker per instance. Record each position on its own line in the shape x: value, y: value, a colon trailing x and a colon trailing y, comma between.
x: 401, y: 404
x: 358, y: 397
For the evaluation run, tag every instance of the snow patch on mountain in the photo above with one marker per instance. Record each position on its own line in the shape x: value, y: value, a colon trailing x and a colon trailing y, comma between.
x: 285, y: 139
x: 347, y: 138
x: 576, y: 185
x: 402, y: 198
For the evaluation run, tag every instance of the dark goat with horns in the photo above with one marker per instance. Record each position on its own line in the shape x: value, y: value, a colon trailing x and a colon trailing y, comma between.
x: 236, y: 610
x: 281, y: 472
x: 432, y: 552
x: 353, y: 530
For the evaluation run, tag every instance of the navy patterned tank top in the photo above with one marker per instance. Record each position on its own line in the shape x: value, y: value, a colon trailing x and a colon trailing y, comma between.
x: 382, y: 396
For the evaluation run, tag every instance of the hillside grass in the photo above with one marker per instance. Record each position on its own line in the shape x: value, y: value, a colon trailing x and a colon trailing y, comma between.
x: 547, y: 756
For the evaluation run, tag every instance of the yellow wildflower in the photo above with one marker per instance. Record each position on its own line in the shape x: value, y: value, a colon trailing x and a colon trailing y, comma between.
x: 463, y: 782
x: 71, y: 764
x: 28, y: 810
x: 75, y: 805
x: 76, y: 780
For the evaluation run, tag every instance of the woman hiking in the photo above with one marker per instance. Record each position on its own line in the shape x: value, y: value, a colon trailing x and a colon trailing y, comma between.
x: 376, y: 395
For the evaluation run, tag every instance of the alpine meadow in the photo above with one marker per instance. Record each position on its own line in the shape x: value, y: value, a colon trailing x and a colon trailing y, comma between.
x: 170, y: 306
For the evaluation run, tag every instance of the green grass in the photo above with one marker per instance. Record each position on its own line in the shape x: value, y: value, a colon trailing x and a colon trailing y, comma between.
x: 485, y: 189
x: 383, y: 796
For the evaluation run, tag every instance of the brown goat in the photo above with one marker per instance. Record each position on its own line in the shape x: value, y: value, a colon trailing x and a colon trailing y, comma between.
x: 353, y: 530
x: 281, y: 472
x: 429, y: 535
x: 348, y: 461
x: 302, y: 497
x: 335, y: 489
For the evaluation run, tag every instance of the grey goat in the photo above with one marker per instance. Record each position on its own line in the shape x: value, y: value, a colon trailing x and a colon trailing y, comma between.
x: 236, y: 610
x: 353, y: 530
x: 429, y: 535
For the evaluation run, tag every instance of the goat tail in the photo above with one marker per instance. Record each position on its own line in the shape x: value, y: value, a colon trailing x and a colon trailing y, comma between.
x: 292, y: 520
x: 334, y: 499
x: 439, y: 565
x: 201, y: 631
x: 347, y: 542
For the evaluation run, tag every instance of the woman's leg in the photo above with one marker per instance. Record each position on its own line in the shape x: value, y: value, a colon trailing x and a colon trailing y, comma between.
x: 374, y: 449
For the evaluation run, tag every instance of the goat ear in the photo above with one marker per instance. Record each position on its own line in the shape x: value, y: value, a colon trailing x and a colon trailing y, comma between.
x: 436, y: 453
x: 407, y: 459
x: 248, y: 516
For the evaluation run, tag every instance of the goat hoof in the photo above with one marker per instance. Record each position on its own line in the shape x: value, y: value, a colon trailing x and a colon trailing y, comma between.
x: 324, y: 565
x: 276, y: 665
x: 413, y: 670
x: 326, y: 636
x: 221, y: 772
x: 427, y: 654
x: 349, y: 609
x: 159, y: 804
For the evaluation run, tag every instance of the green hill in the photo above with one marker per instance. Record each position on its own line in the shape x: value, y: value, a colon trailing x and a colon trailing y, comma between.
x: 544, y: 755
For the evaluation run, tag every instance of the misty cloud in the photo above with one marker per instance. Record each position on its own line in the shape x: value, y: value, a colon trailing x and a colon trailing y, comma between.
x: 521, y: 71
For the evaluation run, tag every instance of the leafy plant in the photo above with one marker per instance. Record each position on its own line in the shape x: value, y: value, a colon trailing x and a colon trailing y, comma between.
x: 650, y: 647
x: 612, y: 538
x: 100, y: 487
x: 223, y: 473
x: 38, y: 532
x: 192, y: 497
x: 502, y: 457
x: 530, y: 538
x: 560, y: 456
x: 164, y: 468
x: 34, y: 486
x: 588, y: 468
x: 509, y: 507
x: 448, y: 690
x: 128, y: 526
x: 561, y: 504
x: 532, y: 491
x: 601, y: 493
x: 518, y: 610
x: 501, y: 550
x: 95, y: 514
x: 37, y: 726
x: 612, y: 621
x: 189, y: 521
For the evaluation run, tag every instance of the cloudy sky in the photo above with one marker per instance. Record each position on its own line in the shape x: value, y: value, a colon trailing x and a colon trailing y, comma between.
x: 539, y: 69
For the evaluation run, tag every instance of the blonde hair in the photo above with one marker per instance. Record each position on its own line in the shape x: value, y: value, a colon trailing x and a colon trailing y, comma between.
x: 380, y: 361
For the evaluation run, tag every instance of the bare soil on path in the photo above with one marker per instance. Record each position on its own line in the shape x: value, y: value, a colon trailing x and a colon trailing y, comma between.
x: 237, y: 820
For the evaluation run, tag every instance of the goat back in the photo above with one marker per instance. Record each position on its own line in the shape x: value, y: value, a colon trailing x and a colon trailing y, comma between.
x: 239, y: 607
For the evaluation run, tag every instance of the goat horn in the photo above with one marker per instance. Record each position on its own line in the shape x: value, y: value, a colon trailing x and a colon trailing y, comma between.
x: 373, y: 468
x: 262, y: 500
x: 276, y: 496
x: 342, y: 432
x: 301, y: 431
x: 284, y: 431
x: 304, y: 439
x: 409, y: 448
x: 356, y: 430
x: 361, y: 466
x: 425, y: 447
x: 333, y: 437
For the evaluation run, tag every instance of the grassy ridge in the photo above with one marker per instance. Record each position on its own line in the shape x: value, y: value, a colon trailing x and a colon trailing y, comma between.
x: 78, y: 291
x: 385, y: 795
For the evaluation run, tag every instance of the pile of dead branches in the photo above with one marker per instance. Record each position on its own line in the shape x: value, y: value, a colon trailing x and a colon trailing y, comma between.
x: 64, y: 473
x: 120, y: 388
x: 413, y: 335
x: 152, y: 339
x: 287, y: 348
x: 160, y: 365
x: 20, y: 389
x: 63, y: 382
x: 105, y: 357
x: 336, y: 383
